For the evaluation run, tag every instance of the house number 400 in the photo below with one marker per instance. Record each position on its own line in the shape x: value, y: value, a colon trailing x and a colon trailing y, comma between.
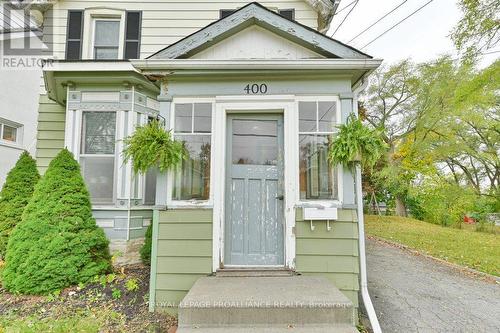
x: 256, y: 88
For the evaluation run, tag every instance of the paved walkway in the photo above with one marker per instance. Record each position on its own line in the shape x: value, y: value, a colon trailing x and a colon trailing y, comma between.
x: 413, y: 293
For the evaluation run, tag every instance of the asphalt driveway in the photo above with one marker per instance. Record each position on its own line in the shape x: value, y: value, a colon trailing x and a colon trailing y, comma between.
x: 413, y: 293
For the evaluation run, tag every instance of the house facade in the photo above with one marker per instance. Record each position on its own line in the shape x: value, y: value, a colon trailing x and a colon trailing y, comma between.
x: 254, y: 90
x: 19, y: 88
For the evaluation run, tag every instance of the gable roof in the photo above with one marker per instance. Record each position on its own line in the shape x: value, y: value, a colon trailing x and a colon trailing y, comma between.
x: 256, y: 14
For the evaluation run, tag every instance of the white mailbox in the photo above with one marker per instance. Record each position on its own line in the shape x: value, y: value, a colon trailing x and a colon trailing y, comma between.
x: 324, y: 214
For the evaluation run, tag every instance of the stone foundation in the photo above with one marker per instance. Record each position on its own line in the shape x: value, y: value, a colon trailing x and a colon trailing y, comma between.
x: 126, y: 252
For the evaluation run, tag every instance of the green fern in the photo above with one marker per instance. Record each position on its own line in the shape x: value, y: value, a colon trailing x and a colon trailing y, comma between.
x: 356, y: 140
x: 152, y: 146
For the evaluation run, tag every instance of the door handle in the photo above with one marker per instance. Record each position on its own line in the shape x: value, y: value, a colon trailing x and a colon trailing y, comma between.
x: 280, y: 197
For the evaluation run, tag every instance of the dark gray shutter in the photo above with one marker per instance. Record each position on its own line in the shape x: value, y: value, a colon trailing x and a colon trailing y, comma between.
x: 288, y: 13
x: 74, y: 35
x: 132, y: 35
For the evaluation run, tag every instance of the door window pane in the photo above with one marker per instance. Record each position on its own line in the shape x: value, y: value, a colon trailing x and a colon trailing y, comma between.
x: 98, y: 133
x: 255, y: 142
x: 317, y: 176
x: 192, y: 176
x: 106, y: 39
x: 98, y: 173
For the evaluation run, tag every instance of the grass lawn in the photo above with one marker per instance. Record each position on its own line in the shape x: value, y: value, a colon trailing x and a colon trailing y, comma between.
x: 473, y: 249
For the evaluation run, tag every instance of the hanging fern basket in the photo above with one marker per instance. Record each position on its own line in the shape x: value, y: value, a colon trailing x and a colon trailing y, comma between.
x: 356, y: 143
x: 152, y: 146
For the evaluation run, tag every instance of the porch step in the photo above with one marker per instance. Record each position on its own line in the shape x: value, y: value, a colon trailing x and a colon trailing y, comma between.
x: 242, y: 272
x: 265, y: 304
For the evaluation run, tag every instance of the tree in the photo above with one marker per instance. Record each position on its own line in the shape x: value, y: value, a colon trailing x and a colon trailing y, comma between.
x: 479, y: 28
x: 388, y: 106
x: 57, y: 243
x: 16, y: 192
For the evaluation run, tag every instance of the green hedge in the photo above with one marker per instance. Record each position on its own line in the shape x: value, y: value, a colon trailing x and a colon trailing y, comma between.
x: 57, y: 243
x: 16, y: 192
x: 146, y: 248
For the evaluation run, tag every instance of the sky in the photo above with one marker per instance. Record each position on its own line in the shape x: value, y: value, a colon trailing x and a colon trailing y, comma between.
x: 422, y: 37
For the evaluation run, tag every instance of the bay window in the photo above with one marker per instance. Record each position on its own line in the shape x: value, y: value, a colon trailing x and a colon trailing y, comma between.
x: 193, y: 127
x: 318, y: 178
x: 97, y: 155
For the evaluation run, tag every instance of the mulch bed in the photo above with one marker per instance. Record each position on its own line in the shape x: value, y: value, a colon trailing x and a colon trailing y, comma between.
x: 131, y: 305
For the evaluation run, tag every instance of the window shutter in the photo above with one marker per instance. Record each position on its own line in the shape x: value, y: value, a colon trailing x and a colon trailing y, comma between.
x: 132, y: 35
x: 74, y: 35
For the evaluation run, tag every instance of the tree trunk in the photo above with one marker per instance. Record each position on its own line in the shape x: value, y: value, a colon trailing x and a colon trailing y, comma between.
x: 400, y: 207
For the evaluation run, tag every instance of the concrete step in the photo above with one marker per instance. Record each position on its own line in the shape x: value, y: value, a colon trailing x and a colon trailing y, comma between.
x: 265, y: 302
x: 302, y: 329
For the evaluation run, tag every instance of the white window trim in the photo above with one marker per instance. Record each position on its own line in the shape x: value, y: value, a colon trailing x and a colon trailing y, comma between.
x: 172, y: 203
x: 19, y: 134
x: 340, y: 169
x: 91, y: 15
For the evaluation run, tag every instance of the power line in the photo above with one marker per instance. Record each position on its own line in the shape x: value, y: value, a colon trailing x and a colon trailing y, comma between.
x: 344, y: 8
x: 395, y: 25
x: 491, y: 52
x: 380, y: 19
x: 345, y: 18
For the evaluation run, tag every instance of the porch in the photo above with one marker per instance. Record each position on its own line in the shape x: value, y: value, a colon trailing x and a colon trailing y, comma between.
x: 265, y: 304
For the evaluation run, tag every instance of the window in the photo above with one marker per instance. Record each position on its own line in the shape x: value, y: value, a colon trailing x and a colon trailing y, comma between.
x: 193, y: 127
x: 226, y: 12
x: 10, y: 132
x: 97, y: 155
x: 106, y: 39
x: 318, y: 179
x: 287, y: 13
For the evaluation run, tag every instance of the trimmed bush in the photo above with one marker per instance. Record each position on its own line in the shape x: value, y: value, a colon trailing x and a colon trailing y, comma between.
x: 16, y: 192
x: 57, y: 243
x: 146, y: 248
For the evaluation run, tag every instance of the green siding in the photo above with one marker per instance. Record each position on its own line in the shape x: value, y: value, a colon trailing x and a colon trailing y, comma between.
x: 332, y: 254
x: 183, y: 254
x: 50, y: 136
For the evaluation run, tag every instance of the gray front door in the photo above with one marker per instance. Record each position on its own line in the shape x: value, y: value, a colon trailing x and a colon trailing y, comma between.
x: 254, y: 191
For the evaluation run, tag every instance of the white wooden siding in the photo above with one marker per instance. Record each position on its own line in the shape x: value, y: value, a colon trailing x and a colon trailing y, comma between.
x: 270, y: 46
x: 164, y: 21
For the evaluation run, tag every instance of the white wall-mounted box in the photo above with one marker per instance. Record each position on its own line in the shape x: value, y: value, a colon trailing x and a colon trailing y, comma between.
x: 320, y: 214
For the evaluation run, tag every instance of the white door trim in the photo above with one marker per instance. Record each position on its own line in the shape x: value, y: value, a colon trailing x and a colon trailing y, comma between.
x: 276, y: 104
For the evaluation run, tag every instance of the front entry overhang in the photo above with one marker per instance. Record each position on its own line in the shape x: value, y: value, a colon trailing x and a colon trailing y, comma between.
x: 356, y: 69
